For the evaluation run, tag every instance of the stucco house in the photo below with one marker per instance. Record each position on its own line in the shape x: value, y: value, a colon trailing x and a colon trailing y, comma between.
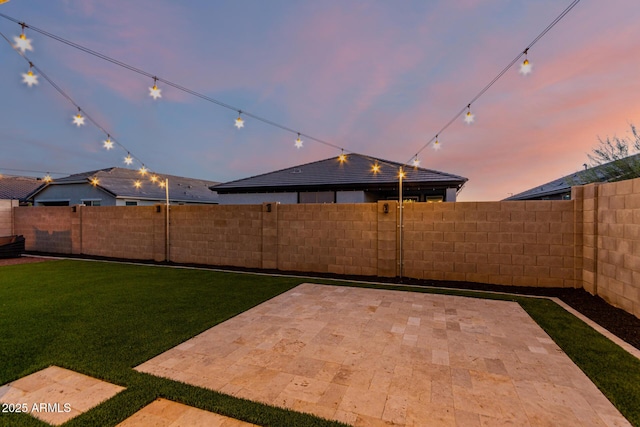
x: 353, y: 180
x: 122, y: 187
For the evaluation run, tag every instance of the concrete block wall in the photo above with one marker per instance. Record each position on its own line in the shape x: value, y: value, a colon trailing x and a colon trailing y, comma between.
x: 331, y: 238
x: 389, y: 257
x: 591, y: 241
x: 509, y: 243
x: 217, y: 235
x: 123, y: 232
x: 586, y: 250
x: 46, y: 229
x: 6, y: 218
x: 618, y: 244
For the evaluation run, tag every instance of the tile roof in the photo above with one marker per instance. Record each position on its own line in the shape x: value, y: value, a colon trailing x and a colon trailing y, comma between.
x: 600, y: 173
x: 354, y: 172
x: 119, y: 183
x: 18, y: 187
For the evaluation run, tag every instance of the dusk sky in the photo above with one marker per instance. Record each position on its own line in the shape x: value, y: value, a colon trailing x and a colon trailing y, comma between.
x: 374, y: 77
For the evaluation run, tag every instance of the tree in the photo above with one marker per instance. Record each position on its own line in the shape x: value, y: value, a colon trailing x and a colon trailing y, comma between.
x: 615, y: 158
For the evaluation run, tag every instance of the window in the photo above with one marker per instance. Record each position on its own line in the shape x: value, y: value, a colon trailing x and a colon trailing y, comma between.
x: 317, y: 197
x: 433, y: 199
x: 91, y: 202
x: 54, y: 203
x: 131, y: 203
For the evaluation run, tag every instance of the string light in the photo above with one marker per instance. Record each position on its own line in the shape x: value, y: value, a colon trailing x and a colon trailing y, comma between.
x: 47, y: 178
x: 526, y: 67
x: 154, y: 178
x: 154, y: 92
x: 137, y: 184
x: 143, y: 170
x: 436, y: 144
x: 239, y: 122
x: 162, y: 184
x: 342, y: 157
x: 375, y: 168
x: 94, y: 181
x: 108, y: 143
x: 78, y: 119
x: 298, y: 143
x: 505, y: 69
x: 166, y: 82
x: 469, y: 118
x: 29, y: 78
x: 416, y: 161
x: 401, y: 173
x: 22, y: 42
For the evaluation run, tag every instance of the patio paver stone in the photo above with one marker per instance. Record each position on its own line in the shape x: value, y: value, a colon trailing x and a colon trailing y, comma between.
x: 371, y: 357
x: 166, y: 413
x: 55, y: 395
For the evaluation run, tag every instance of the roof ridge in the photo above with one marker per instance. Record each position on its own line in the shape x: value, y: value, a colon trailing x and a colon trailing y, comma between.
x: 362, y: 156
x: 330, y: 171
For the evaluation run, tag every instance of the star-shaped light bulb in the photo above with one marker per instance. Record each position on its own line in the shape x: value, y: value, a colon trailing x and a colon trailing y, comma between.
x: 95, y: 181
x: 154, y: 92
x: 416, y: 162
x: 526, y: 67
x: 162, y: 184
x: 137, y: 184
x: 47, y: 178
x: 143, y: 170
x: 401, y: 173
x: 78, y: 120
x: 128, y: 160
x: 342, y: 157
x: 469, y: 118
x: 29, y: 78
x: 107, y: 143
x: 375, y: 168
x: 298, y: 142
x: 154, y: 178
x: 239, y: 123
x: 436, y: 145
x: 23, y: 43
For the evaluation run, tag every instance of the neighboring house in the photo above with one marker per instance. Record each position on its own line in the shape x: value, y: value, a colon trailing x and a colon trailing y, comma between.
x: 19, y: 188
x: 333, y: 181
x: 560, y: 189
x: 117, y: 187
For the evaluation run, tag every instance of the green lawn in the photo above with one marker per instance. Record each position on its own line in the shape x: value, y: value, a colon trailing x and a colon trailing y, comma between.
x: 102, y: 319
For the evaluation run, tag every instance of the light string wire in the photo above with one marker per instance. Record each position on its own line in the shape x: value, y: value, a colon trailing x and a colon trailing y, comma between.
x: 497, y: 77
x: 170, y: 83
x: 275, y: 124
x: 72, y: 101
x: 30, y: 171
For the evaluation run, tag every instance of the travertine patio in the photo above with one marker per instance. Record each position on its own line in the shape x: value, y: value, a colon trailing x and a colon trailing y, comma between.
x: 55, y: 395
x: 372, y: 357
x: 163, y: 412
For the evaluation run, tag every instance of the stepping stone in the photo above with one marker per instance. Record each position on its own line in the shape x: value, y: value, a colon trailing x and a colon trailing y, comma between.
x: 163, y: 412
x: 55, y: 395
